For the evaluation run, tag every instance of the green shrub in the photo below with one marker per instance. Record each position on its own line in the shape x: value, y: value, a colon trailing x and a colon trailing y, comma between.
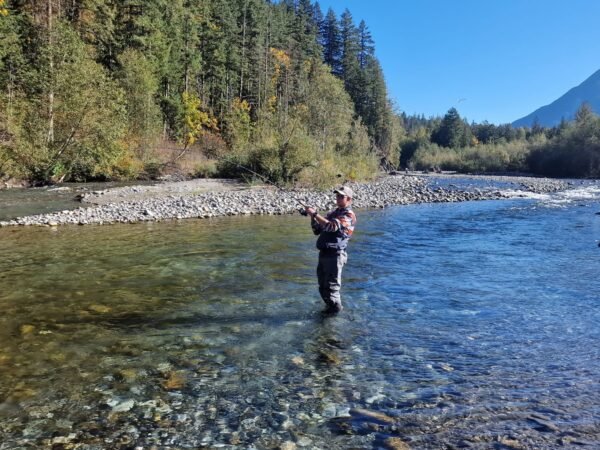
x: 206, y: 169
x: 500, y: 157
x: 432, y: 155
x: 575, y: 152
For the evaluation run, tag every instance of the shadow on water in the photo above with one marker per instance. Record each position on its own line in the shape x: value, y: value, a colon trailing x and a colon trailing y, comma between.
x: 136, y: 322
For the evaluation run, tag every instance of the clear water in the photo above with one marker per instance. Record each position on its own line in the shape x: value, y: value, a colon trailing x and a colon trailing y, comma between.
x: 472, y: 325
x: 18, y: 202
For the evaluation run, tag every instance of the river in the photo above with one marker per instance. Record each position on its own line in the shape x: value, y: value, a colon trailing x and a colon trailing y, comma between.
x: 471, y: 325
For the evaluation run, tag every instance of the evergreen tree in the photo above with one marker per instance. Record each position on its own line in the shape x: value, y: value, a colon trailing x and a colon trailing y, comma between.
x: 350, y: 48
x: 140, y: 87
x: 451, y: 132
x: 584, y: 115
x: 303, y: 34
x: 485, y: 132
x: 366, y: 45
x: 219, y: 82
x: 307, y: 30
x: 330, y: 40
x: 257, y: 55
x: 536, y: 128
x: 318, y: 19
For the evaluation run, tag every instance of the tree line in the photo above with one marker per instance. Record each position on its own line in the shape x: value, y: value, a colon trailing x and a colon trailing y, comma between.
x: 570, y: 149
x: 118, y: 89
x: 100, y: 89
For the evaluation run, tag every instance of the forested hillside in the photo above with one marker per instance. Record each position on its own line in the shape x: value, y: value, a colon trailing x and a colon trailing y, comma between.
x: 121, y: 88
x: 124, y: 89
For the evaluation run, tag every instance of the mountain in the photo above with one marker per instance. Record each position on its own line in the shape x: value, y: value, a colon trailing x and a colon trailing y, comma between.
x: 567, y: 105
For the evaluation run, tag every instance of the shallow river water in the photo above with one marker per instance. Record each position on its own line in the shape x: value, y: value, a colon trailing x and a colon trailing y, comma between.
x: 471, y: 325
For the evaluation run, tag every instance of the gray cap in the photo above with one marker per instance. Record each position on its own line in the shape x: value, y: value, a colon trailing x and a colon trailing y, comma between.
x: 344, y: 190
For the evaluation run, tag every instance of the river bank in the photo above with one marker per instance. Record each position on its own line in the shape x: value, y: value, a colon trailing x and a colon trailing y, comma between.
x: 203, y: 198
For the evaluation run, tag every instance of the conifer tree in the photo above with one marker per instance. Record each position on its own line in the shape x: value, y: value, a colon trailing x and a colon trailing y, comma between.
x: 318, y: 18
x: 329, y: 36
x: 256, y: 54
x: 140, y: 86
x: 366, y: 44
x: 350, y: 48
x: 451, y: 132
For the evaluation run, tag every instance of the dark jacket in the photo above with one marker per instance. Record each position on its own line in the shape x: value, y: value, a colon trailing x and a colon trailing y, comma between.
x: 334, y: 237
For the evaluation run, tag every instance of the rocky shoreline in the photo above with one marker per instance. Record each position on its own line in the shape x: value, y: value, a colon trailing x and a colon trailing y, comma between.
x: 185, y: 200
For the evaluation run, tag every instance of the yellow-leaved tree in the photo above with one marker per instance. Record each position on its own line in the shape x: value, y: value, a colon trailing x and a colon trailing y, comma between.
x: 195, y: 121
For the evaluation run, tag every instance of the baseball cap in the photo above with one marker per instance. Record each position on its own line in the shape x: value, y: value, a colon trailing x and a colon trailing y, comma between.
x: 344, y: 190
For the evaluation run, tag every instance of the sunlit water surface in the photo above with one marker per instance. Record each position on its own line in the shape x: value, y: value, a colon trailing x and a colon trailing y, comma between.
x: 470, y: 325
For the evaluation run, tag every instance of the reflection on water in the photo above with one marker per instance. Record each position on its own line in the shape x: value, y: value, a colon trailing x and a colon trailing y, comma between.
x: 471, y: 324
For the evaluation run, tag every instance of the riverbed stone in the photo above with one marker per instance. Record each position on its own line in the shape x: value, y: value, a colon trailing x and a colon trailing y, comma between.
x: 121, y: 405
x: 542, y: 423
x: 304, y: 441
x: 298, y: 361
x: 510, y: 443
x: 175, y: 380
x: 395, y: 443
x: 288, y: 445
x: 26, y: 329
x: 369, y: 415
x: 101, y: 309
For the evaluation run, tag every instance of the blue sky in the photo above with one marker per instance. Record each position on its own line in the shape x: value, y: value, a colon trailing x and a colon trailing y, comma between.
x: 494, y: 60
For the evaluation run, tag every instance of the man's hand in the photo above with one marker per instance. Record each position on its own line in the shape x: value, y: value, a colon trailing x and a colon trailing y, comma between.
x: 310, y: 211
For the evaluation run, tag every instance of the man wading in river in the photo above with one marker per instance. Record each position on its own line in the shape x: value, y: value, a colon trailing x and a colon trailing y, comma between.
x: 334, y: 231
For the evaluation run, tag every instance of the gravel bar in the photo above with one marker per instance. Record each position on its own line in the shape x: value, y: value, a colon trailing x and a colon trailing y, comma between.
x: 136, y: 204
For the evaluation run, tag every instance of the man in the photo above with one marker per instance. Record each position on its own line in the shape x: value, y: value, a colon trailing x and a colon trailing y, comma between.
x: 334, y: 231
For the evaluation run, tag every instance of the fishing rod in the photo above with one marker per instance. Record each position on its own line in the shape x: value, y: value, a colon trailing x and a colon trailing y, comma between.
x: 266, y: 180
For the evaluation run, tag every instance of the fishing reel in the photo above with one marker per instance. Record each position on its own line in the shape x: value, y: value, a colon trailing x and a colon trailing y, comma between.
x: 302, y: 211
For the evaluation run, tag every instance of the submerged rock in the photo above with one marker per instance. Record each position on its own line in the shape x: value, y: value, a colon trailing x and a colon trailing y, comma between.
x: 175, y: 380
x: 368, y: 415
x: 61, y: 440
x: 298, y: 361
x: 288, y: 445
x: 395, y: 443
x: 542, y: 423
x: 329, y: 357
x: 511, y: 443
x: 26, y: 329
x: 121, y: 406
x: 101, y: 309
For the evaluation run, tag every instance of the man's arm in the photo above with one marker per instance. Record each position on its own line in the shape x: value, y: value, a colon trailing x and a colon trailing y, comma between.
x: 323, y: 222
x: 343, y: 223
x: 315, y: 226
x: 314, y: 223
